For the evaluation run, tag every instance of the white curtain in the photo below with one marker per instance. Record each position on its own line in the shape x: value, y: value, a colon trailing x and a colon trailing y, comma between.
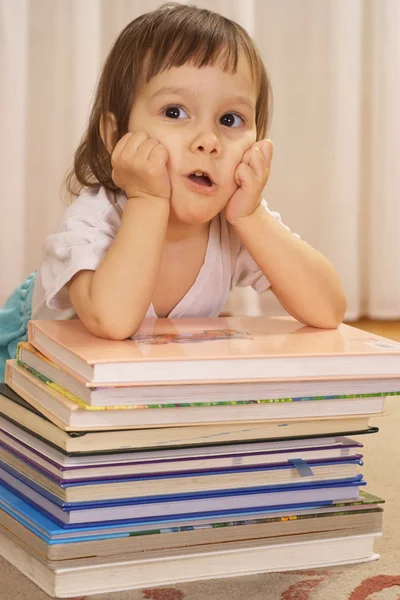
x: 335, y: 72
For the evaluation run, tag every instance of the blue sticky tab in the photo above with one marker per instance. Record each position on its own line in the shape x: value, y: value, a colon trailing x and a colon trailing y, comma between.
x: 302, y: 467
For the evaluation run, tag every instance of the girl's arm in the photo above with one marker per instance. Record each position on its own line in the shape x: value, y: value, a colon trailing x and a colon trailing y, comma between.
x: 113, y: 300
x: 303, y: 280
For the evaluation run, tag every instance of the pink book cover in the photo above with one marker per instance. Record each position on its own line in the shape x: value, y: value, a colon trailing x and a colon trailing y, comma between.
x: 217, y: 338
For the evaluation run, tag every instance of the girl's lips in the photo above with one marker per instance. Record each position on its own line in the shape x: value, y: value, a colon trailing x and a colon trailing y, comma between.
x: 201, y: 171
x: 198, y: 187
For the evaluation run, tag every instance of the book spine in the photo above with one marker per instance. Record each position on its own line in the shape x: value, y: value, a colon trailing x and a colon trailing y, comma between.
x: 31, y: 332
x: 8, y: 374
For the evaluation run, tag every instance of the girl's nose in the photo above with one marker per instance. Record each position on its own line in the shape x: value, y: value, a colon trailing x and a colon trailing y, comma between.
x: 206, y: 143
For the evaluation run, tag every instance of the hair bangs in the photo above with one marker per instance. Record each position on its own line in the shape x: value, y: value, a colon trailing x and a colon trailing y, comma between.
x: 198, y: 42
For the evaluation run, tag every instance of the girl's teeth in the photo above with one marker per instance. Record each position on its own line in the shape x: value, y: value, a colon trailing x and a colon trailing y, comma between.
x: 198, y: 173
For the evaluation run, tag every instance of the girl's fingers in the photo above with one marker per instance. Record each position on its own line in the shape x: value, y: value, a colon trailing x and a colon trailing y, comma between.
x: 244, y: 173
x: 136, y: 141
x: 119, y: 147
x: 246, y: 156
x: 128, y: 144
x: 236, y: 176
x: 264, y: 146
x: 146, y: 147
x: 159, y: 155
x: 257, y: 161
x: 267, y: 149
x: 254, y: 167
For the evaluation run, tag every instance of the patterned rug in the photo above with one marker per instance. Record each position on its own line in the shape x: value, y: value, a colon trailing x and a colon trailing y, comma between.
x: 379, y: 580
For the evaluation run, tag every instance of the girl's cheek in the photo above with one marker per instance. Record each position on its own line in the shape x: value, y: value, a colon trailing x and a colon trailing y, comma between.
x: 177, y: 158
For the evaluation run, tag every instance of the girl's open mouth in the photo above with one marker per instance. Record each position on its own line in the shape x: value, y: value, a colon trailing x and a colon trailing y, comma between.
x: 200, y: 178
x: 200, y: 183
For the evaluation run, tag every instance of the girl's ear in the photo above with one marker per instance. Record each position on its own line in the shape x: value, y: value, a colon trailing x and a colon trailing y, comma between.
x: 108, y: 130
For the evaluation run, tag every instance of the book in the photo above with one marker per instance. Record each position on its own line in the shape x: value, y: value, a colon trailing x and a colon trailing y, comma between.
x: 14, y: 409
x: 355, y: 520
x: 163, y: 567
x: 76, y: 414
x: 140, y: 486
x: 45, y: 457
x: 354, y: 523
x: 12, y: 432
x: 46, y: 538
x: 216, y: 349
x: 171, y: 393
x: 225, y: 502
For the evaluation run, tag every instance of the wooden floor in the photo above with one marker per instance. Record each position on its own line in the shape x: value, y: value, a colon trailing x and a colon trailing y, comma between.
x: 389, y: 329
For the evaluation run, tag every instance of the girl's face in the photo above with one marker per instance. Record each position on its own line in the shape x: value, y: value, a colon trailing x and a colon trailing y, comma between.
x: 205, y: 118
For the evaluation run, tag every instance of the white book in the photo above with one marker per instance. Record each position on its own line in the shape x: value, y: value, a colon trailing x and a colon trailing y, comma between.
x: 63, y: 579
x: 75, y: 414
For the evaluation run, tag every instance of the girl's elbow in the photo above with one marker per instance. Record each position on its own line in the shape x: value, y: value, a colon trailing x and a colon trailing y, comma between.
x: 335, y: 315
x: 111, y: 329
x: 341, y: 307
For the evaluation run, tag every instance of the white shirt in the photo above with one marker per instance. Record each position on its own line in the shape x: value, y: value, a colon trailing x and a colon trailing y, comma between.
x: 88, y: 229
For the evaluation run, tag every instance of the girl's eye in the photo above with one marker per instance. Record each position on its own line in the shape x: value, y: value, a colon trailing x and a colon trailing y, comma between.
x: 231, y: 120
x: 175, y: 112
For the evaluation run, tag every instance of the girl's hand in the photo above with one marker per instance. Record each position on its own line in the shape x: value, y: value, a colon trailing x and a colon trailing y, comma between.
x: 139, y: 167
x: 251, y: 176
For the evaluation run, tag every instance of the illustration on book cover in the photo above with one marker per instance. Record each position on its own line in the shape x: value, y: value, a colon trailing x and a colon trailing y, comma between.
x: 206, y: 335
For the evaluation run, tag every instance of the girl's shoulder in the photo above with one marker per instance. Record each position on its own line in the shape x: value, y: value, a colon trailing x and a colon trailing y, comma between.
x: 96, y: 204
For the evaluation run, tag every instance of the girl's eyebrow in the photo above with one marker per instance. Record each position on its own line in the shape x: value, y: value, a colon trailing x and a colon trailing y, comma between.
x: 165, y: 90
x: 169, y: 90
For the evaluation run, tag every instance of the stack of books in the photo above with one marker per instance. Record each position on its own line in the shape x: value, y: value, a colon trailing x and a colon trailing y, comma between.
x: 198, y: 449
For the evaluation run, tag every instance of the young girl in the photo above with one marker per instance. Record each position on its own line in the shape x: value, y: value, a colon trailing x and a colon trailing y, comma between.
x: 170, y: 173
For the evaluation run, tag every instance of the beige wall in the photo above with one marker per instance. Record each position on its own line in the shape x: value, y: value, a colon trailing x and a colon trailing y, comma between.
x: 334, y: 67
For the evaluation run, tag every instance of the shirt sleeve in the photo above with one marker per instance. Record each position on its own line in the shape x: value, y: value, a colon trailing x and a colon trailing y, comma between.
x: 246, y: 272
x: 80, y: 243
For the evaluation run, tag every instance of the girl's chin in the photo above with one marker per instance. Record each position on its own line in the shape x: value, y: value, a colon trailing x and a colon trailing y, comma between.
x: 191, y: 219
x: 195, y: 214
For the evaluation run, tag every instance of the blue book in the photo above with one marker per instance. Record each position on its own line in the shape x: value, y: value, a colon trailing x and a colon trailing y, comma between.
x: 49, y: 530
x: 46, y: 538
x: 134, y: 510
x: 304, y: 468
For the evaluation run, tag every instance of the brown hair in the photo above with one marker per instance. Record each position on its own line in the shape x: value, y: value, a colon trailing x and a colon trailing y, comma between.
x: 171, y: 36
